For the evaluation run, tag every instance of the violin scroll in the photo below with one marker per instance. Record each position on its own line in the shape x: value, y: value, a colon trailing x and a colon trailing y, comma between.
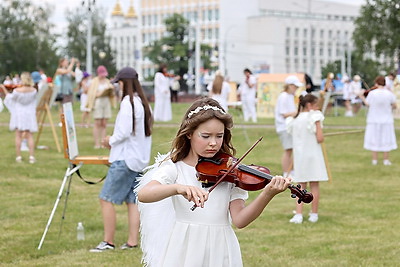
x: 301, y: 194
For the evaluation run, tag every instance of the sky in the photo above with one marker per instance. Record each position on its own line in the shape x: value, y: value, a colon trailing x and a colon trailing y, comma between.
x: 58, y: 17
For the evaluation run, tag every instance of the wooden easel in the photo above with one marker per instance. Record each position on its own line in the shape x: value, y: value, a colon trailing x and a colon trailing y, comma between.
x: 43, y: 110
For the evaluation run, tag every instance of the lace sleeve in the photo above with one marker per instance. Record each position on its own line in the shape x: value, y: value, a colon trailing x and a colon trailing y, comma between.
x: 314, y: 116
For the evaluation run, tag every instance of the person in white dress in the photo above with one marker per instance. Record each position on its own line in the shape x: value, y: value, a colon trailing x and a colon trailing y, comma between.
x: 219, y: 90
x: 355, y: 90
x: 22, y: 105
x: 162, y: 95
x: 130, y: 151
x: 285, y: 107
x: 248, y: 91
x: 202, y: 237
x: 306, y: 131
x: 380, y: 134
x: 84, y: 89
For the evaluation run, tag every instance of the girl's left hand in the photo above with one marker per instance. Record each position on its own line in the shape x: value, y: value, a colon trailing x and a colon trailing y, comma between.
x: 277, y: 185
x: 106, y: 142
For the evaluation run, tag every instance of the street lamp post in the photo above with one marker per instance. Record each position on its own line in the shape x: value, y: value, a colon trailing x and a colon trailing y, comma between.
x: 89, y: 58
x: 226, y: 48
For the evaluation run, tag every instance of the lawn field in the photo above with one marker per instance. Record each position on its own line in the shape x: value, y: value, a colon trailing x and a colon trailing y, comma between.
x: 359, y: 208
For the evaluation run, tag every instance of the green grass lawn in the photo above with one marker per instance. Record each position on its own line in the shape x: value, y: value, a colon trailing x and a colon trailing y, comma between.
x: 359, y: 208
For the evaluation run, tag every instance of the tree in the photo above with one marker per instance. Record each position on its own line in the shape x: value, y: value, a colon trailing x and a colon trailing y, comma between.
x: 26, y: 43
x: 377, y: 29
x: 76, y: 38
x: 367, y: 68
x: 173, y: 48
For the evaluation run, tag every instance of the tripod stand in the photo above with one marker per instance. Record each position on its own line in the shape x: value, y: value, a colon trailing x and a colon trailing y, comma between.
x: 67, y: 179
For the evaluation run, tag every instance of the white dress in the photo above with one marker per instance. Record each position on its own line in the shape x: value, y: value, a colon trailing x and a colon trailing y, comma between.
x: 162, y: 98
x: 309, y: 164
x: 380, y: 134
x: 22, y: 107
x: 200, y: 238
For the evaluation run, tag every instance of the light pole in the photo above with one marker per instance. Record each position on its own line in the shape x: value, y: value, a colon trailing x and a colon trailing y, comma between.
x: 89, y: 58
x: 197, y: 50
x: 226, y: 48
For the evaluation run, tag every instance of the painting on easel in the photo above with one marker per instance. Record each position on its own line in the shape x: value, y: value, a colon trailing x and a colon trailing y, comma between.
x: 70, y: 130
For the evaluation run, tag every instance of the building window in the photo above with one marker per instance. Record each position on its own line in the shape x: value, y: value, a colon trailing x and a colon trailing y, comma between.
x: 217, y: 14
x: 296, y: 32
x: 321, y: 51
x: 321, y: 34
x: 304, y: 51
x: 296, y: 51
x: 305, y: 33
x: 287, y: 32
x: 287, y: 50
x: 330, y: 34
x: 210, y: 14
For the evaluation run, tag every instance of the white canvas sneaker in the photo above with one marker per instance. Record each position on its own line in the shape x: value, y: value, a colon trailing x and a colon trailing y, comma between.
x: 297, y: 219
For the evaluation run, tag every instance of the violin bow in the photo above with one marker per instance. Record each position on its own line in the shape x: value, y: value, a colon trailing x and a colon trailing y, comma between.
x: 230, y: 169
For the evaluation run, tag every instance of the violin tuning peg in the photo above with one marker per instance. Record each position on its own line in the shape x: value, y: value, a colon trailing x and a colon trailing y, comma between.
x: 293, y: 195
x: 304, y: 191
x: 299, y: 200
x: 298, y: 186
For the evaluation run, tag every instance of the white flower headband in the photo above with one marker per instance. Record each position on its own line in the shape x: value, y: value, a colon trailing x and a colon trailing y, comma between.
x: 206, y: 107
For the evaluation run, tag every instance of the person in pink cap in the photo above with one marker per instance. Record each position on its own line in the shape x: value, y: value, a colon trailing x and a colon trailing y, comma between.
x: 99, y: 102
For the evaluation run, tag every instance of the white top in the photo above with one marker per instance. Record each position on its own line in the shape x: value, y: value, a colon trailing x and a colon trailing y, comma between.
x: 380, y: 106
x: 223, y: 97
x: 162, y: 98
x: 203, y: 237
x: 22, y: 107
x: 308, y: 159
x: 134, y: 148
x: 246, y: 92
x: 284, y: 104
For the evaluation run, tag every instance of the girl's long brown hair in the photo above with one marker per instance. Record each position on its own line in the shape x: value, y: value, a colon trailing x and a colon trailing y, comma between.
x: 217, y: 84
x: 131, y: 86
x: 181, y: 144
x: 303, y: 100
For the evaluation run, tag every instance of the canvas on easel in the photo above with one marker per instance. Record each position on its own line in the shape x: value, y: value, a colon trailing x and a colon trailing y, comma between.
x: 43, y: 110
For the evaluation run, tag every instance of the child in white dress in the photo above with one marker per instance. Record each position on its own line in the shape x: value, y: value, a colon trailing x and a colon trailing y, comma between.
x: 203, y: 237
x: 380, y: 134
x: 22, y: 105
x: 309, y: 165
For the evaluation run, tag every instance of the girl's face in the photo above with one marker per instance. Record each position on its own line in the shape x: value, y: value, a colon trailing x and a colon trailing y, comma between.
x: 207, y: 139
x: 292, y: 89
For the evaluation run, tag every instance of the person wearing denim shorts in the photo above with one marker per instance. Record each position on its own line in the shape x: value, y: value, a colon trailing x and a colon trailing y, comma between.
x: 130, y: 147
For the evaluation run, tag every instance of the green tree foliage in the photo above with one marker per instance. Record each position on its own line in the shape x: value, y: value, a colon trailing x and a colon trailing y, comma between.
x: 367, y: 68
x: 76, y: 38
x: 173, y: 48
x: 26, y: 43
x: 377, y: 29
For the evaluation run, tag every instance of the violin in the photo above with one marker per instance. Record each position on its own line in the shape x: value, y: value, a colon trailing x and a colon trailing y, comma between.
x: 169, y: 75
x: 248, y: 177
x: 366, y: 92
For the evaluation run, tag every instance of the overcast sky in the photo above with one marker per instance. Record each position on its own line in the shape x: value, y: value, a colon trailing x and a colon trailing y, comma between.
x: 58, y: 17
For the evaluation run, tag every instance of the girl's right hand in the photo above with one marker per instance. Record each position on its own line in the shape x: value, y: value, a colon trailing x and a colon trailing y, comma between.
x: 194, y: 194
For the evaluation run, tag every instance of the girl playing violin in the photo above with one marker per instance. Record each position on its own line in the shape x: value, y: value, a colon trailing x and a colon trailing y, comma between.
x: 203, y: 237
x: 309, y: 165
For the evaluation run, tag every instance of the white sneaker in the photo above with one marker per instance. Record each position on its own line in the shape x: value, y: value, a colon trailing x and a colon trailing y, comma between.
x: 374, y: 162
x: 18, y: 159
x: 32, y: 159
x: 387, y: 162
x: 297, y: 219
x: 24, y: 145
x: 313, y: 217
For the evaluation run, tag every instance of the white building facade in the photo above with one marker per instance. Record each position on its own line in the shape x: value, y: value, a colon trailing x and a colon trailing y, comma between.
x: 282, y: 36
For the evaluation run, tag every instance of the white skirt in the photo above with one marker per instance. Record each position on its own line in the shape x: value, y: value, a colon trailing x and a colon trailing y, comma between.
x: 380, y: 137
